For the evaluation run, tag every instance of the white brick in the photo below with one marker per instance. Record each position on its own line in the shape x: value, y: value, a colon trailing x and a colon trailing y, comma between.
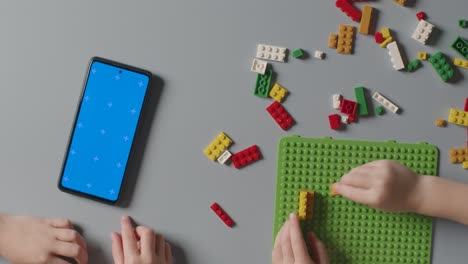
x: 319, y: 54
x: 273, y: 53
x: 395, y: 56
x: 224, y: 157
x: 259, y: 66
x: 423, y: 31
x: 336, y: 101
x: 385, y: 102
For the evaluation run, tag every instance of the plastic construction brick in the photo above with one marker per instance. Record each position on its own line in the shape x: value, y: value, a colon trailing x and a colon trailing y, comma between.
x: 335, y: 121
x: 395, y: 56
x: 385, y: 32
x: 463, y: 23
x: 378, y: 37
x: 306, y: 205
x: 385, y: 42
x: 332, y: 41
x: 224, y: 157
x: 465, y: 108
x: 379, y: 110
x: 385, y: 102
x: 344, y: 119
x: 458, y: 117
x: 421, y: 15
x: 423, y: 31
x: 273, y: 53
x: 460, y: 63
x: 222, y: 214
x: 336, y: 101
x: 259, y: 66
x: 441, y: 66
x: 458, y: 155
x: 440, y: 123
x: 333, y: 192
x: 347, y: 8
x: 319, y: 54
x: 413, y: 65
x: 400, y: 2
x: 465, y: 165
x: 280, y: 115
x: 246, y: 156
x: 352, y: 233
x: 359, y: 94
x: 217, y: 146
x: 350, y: 108
x: 262, y: 85
x: 366, y: 19
x: 278, y: 93
x: 345, y: 39
x: 461, y: 46
x: 422, y: 55
x: 297, y: 53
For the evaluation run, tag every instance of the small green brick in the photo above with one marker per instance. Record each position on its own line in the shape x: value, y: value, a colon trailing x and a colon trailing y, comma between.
x: 463, y: 23
x: 413, y: 65
x: 353, y: 233
x: 461, y: 46
x: 262, y: 85
x: 361, y: 100
x: 298, y: 53
x: 442, y: 66
x: 380, y: 110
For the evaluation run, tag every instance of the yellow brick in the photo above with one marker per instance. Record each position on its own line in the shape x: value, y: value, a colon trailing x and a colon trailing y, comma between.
x: 366, y: 19
x: 440, y: 122
x: 345, y: 39
x: 332, y: 191
x: 465, y: 165
x: 306, y: 205
x: 332, y: 41
x: 278, y: 92
x: 460, y: 63
x: 458, y: 155
x: 422, y: 55
x: 217, y: 146
x: 385, y: 32
x: 458, y: 117
x: 400, y: 2
x: 385, y: 42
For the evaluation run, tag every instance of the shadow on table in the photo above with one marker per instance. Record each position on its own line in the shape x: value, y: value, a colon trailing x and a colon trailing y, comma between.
x: 138, y: 149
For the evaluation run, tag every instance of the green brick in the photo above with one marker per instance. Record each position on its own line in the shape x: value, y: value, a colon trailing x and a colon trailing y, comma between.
x: 359, y: 93
x: 297, y: 53
x: 379, y: 110
x: 413, y: 65
x: 463, y: 23
x: 352, y: 233
x: 442, y: 66
x: 262, y: 85
x: 461, y: 46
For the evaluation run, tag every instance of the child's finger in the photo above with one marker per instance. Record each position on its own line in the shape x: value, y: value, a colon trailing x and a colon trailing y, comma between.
x: 359, y: 178
x: 359, y: 195
x: 168, y: 253
x: 297, y: 242
x: 117, y: 248
x: 277, y: 254
x: 286, y: 247
x: 128, y: 237
x: 148, y: 241
x: 320, y: 252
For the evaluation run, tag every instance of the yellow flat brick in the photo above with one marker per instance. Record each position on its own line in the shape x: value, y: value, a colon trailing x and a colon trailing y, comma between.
x: 460, y: 63
x: 385, y: 42
x: 345, y: 39
x: 422, y: 55
x: 278, y: 93
x: 465, y: 165
x: 440, y: 122
x: 306, y: 205
x: 458, y: 117
x: 400, y: 2
x: 459, y: 155
x: 332, y: 41
x: 217, y: 146
x: 366, y: 18
x: 332, y: 191
x: 385, y: 32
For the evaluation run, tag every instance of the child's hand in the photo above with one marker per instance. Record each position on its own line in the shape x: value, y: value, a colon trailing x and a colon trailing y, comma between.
x: 32, y: 240
x: 290, y: 247
x: 383, y: 184
x: 139, y: 245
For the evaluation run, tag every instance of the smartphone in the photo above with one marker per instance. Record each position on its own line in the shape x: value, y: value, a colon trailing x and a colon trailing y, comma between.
x: 106, y: 123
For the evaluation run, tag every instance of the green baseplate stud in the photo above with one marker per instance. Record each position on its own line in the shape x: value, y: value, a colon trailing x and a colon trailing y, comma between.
x: 352, y: 233
x: 379, y: 110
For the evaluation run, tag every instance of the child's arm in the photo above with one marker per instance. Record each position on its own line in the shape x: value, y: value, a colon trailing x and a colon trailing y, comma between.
x: 390, y: 186
x: 25, y: 239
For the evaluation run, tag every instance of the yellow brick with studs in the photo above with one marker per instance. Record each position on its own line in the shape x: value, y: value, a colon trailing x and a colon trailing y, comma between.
x: 217, y: 146
x: 278, y: 92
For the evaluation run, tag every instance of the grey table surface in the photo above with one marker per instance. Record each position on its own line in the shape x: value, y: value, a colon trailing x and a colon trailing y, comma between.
x: 202, y: 51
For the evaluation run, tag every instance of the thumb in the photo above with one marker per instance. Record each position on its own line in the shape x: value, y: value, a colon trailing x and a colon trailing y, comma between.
x: 117, y: 248
x: 318, y: 249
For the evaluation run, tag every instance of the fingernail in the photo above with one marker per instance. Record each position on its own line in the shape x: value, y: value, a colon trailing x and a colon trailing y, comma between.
x: 292, y: 215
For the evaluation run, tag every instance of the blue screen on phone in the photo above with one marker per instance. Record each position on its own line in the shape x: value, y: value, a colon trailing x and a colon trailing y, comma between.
x: 104, y: 131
